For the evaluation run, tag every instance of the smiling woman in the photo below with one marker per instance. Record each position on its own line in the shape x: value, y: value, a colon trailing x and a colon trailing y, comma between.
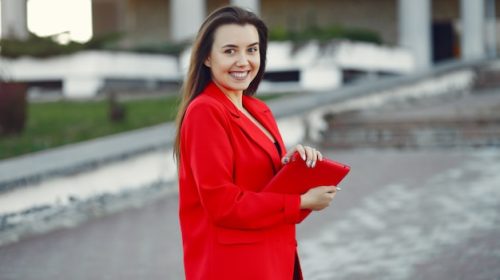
x: 70, y: 20
x: 228, y: 147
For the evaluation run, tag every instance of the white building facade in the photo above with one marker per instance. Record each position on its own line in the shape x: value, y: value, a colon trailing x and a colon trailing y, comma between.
x: 413, y: 26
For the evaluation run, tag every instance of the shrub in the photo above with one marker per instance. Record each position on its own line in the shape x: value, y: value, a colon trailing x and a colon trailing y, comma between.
x: 46, y: 46
x: 323, y: 34
x: 36, y: 46
x: 170, y: 48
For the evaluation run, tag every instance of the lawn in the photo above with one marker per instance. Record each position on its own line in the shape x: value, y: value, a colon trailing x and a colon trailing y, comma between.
x: 57, y: 123
x: 54, y: 124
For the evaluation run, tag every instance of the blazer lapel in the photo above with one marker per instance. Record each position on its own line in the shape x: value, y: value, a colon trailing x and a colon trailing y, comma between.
x: 261, y: 114
x: 265, y: 117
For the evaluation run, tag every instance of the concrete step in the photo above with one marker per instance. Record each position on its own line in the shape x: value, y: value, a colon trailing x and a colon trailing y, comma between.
x: 489, y: 77
x: 415, y: 134
x: 471, y: 120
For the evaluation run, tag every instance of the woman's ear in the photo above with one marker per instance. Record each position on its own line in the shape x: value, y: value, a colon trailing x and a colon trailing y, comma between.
x: 207, y: 62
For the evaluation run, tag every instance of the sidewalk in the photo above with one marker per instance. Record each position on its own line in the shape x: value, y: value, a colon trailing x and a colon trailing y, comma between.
x: 400, y: 215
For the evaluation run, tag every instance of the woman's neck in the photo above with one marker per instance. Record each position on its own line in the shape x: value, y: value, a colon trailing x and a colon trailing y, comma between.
x: 236, y: 97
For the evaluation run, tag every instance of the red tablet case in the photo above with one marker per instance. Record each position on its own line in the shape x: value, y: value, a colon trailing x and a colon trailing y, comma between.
x: 296, y: 178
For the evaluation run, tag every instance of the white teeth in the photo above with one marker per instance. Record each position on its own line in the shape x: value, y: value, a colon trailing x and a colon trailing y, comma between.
x: 239, y: 75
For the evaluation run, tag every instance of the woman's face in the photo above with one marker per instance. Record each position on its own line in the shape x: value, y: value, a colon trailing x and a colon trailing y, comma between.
x: 234, y: 59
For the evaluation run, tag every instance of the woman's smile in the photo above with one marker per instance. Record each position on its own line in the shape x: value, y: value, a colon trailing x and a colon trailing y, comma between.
x: 239, y: 75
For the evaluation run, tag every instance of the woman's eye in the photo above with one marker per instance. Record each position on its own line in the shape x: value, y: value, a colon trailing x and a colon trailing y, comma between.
x: 229, y: 51
x: 252, y: 50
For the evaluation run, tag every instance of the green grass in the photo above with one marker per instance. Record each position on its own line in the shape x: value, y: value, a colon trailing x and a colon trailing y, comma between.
x: 58, y: 123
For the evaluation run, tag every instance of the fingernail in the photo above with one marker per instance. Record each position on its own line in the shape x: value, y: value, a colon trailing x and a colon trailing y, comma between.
x: 303, y: 157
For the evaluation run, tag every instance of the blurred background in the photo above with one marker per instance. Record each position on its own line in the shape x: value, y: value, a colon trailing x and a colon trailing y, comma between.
x: 405, y: 92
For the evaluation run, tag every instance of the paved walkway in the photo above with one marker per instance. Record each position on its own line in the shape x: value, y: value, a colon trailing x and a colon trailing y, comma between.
x: 401, y: 215
x: 411, y: 215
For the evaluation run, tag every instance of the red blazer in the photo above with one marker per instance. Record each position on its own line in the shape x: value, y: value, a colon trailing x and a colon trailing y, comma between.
x: 230, y: 229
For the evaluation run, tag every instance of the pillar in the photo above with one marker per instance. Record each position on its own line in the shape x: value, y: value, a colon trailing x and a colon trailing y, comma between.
x: 252, y: 5
x: 187, y: 17
x: 473, y: 43
x: 491, y: 21
x: 415, y: 30
x: 14, y: 19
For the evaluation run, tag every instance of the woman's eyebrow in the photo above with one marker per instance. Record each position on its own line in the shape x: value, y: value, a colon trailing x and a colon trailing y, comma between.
x: 229, y: 46
x: 235, y: 46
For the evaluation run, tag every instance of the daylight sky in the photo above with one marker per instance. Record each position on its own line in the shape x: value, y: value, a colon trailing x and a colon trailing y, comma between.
x: 49, y: 17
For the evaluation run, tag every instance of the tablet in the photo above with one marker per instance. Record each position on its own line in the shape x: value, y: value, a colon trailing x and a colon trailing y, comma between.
x: 296, y: 178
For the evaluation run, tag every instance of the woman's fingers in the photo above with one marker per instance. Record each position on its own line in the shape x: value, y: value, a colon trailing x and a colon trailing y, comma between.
x: 313, y: 156
x: 286, y: 158
x: 330, y: 189
x: 320, y: 156
x: 308, y: 154
x: 318, y: 198
x: 298, y: 148
x: 331, y: 192
x: 301, y: 150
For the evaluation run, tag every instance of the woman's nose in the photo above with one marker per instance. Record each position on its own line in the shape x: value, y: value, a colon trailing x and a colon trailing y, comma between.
x: 242, y: 60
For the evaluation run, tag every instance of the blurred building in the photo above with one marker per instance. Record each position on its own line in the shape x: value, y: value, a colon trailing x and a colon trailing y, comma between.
x: 432, y: 29
x: 422, y: 32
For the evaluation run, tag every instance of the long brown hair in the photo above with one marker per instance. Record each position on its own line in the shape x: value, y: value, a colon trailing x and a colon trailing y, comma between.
x: 199, y: 76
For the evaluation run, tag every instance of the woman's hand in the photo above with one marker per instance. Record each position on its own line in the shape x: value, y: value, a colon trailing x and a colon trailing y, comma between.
x: 318, y: 198
x: 308, y: 154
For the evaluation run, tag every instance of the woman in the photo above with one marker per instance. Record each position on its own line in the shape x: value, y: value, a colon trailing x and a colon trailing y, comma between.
x: 228, y: 147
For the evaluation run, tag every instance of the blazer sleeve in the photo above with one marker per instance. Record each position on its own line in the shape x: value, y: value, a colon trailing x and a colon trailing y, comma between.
x: 205, y: 135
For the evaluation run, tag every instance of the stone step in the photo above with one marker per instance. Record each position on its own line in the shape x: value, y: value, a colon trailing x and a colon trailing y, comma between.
x: 487, y: 79
x: 430, y: 133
